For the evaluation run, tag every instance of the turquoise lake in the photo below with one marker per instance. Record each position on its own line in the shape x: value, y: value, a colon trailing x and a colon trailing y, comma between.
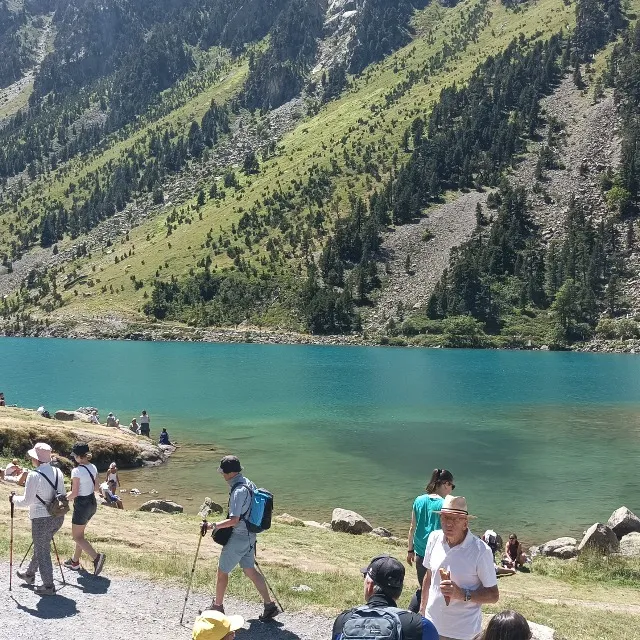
x: 543, y: 444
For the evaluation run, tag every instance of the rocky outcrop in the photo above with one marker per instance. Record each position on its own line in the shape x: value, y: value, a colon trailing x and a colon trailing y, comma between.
x: 347, y: 521
x: 66, y: 416
x: 599, y: 537
x: 624, y: 521
x: 339, y: 33
x: 161, y: 506
x: 381, y: 532
x: 630, y: 544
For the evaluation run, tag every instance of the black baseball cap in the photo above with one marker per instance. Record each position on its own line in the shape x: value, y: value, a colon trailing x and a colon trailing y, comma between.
x: 80, y: 449
x: 230, y: 464
x: 385, y: 572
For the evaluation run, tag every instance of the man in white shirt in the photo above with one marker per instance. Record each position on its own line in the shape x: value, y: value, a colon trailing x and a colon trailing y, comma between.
x: 460, y: 575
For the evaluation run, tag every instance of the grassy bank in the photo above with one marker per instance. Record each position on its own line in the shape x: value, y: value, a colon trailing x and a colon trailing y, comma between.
x: 20, y: 429
x: 587, y: 601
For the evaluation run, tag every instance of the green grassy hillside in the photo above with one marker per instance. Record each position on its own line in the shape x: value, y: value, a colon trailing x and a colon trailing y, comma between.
x: 363, y: 120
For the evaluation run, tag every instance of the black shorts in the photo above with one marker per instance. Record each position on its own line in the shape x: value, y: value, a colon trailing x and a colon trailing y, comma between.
x: 84, y: 508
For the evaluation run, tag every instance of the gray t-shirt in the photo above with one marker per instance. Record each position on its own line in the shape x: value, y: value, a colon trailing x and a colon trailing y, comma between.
x: 240, y: 502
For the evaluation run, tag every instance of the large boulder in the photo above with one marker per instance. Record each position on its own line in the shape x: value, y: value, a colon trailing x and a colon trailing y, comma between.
x: 164, y: 506
x: 601, y: 538
x: 630, y: 544
x: 560, y: 548
x: 67, y: 416
x: 349, y: 522
x: 623, y: 521
x: 208, y: 507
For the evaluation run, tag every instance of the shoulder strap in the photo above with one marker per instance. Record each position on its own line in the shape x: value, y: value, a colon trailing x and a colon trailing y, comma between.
x: 84, y: 466
x: 235, y: 486
x: 53, y: 486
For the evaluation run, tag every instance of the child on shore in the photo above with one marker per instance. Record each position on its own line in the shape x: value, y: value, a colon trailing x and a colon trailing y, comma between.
x: 112, y: 475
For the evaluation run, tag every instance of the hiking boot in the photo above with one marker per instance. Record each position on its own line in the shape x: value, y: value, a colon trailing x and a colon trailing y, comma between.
x: 27, y: 577
x: 98, y: 563
x: 270, y: 612
x: 70, y: 564
x: 45, y: 590
x: 216, y: 607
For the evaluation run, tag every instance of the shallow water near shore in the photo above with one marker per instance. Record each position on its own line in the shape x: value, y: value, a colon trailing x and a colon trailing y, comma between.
x: 543, y: 444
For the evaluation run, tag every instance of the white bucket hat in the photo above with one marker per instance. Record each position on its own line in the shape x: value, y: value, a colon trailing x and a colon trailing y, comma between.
x: 41, y: 451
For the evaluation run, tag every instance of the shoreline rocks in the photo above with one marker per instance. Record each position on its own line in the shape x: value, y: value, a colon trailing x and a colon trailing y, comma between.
x: 161, y: 506
x: 563, y: 548
x: 623, y: 521
x: 630, y: 544
x: 601, y: 538
x: 345, y: 521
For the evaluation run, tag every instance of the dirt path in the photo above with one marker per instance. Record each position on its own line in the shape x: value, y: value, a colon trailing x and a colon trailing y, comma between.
x: 86, y: 605
x: 112, y: 607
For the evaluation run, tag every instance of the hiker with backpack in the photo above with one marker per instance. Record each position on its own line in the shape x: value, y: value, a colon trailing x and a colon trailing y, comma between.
x: 380, y: 618
x: 237, y: 534
x: 84, y: 484
x: 44, y: 497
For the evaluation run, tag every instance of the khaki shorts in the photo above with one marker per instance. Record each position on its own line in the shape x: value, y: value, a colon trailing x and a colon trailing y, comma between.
x: 240, y: 550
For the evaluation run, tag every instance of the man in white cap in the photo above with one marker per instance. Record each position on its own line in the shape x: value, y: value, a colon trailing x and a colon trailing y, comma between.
x: 43, y: 483
x: 460, y: 575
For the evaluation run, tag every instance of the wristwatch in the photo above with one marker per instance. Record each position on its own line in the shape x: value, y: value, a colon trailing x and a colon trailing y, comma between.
x: 467, y: 595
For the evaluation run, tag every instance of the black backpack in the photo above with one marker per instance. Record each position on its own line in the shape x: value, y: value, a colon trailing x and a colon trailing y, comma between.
x: 373, y: 623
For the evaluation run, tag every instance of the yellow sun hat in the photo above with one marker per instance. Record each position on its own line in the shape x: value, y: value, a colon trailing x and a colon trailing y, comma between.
x: 214, y: 625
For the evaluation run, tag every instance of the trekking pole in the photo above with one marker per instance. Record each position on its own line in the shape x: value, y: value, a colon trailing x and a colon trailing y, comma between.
x: 25, y: 555
x: 13, y: 493
x: 273, y: 593
x: 203, y: 533
x: 58, y: 558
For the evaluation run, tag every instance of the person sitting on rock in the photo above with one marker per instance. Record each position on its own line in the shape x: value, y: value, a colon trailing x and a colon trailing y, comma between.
x: 492, y: 540
x: 134, y: 427
x: 383, y: 583
x: 164, y: 438
x: 14, y: 473
x: 112, y: 421
x: 3, y: 402
x: 94, y: 418
x: 108, y: 491
x: 514, y: 555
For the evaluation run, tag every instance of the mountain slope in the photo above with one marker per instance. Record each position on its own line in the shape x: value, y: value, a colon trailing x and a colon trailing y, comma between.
x: 274, y: 221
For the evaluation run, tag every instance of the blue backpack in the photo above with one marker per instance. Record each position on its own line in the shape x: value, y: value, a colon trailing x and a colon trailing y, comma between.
x: 258, y: 516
